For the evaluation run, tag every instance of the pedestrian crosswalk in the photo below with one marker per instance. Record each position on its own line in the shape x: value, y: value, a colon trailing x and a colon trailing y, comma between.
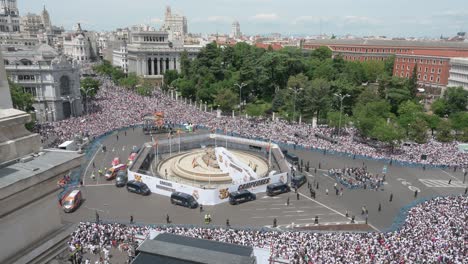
x: 442, y: 183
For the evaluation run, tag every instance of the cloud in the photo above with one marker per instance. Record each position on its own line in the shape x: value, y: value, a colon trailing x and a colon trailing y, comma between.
x: 360, y: 20
x: 265, y: 17
x: 219, y: 19
x: 156, y: 20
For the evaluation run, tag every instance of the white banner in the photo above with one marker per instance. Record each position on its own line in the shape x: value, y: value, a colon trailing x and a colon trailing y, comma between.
x: 238, y: 171
x: 204, y: 196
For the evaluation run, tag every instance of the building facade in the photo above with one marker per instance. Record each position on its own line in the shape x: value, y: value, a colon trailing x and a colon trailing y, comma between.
x: 53, y: 80
x: 9, y: 16
x: 34, y: 24
x: 81, y: 46
x: 120, y: 56
x: 151, y: 54
x: 235, y: 30
x: 458, y: 75
x: 175, y: 25
x: 431, y: 57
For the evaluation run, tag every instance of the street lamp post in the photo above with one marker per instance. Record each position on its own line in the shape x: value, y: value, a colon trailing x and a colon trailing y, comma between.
x: 341, y: 97
x: 295, y: 89
x: 240, y: 103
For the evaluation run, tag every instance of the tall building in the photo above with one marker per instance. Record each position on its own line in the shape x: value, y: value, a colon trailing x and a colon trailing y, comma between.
x: 34, y: 24
x: 175, y: 25
x: 9, y: 16
x: 458, y: 75
x: 235, y: 30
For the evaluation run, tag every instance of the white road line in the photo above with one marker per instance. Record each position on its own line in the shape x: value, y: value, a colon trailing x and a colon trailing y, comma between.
x: 275, y: 208
x: 260, y: 209
x: 123, y: 148
x: 113, y: 149
x: 295, y: 215
x: 89, y: 164
x: 102, y: 184
x: 258, y: 217
x: 322, y: 204
x: 298, y: 211
x: 449, y: 174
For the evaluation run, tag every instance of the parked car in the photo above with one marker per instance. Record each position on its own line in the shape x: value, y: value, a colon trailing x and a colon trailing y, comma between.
x: 241, y: 197
x: 138, y: 187
x: 121, y: 178
x: 184, y: 199
x: 277, y: 188
x: 71, y: 201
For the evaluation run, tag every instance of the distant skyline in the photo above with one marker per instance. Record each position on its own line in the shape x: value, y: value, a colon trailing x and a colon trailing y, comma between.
x: 393, y: 18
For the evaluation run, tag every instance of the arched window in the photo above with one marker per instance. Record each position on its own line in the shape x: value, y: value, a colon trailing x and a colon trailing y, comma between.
x: 64, y: 85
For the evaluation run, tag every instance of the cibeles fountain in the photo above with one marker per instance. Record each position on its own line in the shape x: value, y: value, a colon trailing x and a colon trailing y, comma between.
x: 209, y: 166
x: 213, y: 166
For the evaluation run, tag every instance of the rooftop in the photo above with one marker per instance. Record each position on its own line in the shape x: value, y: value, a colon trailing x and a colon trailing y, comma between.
x: 175, y: 249
x: 393, y: 43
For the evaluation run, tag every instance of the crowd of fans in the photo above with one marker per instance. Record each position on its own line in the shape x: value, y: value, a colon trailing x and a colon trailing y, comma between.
x: 115, y: 107
x: 434, y: 232
x: 357, y: 178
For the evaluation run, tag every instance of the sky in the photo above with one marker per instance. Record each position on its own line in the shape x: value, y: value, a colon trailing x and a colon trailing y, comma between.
x: 393, y: 18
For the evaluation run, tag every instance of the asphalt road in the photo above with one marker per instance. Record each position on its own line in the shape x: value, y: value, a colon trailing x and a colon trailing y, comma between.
x: 116, y: 204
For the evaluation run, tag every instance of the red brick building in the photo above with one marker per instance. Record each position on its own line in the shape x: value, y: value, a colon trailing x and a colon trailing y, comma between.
x: 431, y: 57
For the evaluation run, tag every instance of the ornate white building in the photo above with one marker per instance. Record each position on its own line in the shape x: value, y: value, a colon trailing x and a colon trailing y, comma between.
x: 151, y: 54
x: 120, y: 56
x: 53, y: 80
x: 81, y: 46
x: 9, y: 16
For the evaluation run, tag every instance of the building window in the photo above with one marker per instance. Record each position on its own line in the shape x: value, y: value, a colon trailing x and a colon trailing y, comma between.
x: 425, y: 69
x: 419, y: 76
x: 432, y: 70
x: 401, y: 74
x: 407, y: 75
x: 419, y: 68
x: 30, y: 90
x: 438, y: 79
x: 439, y: 70
x: 64, y: 85
x: 432, y: 78
x: 407, y: 67
x: 425, y: 77
x: 397, y: 66
x: 396, y: 73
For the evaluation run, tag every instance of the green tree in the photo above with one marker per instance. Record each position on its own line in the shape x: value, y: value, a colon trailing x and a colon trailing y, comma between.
x: 21, y: 100
x: 144, y: 90
x: 409, y: 113
x: 432, y: 122
x: 130, y: 81
x: 169, y: 77
x: 456, y: 99
x: 388, y: 65
x: 333, y: 119
x: 89, y: 87
x: 367, y: 116
x: 388, y: 133
x: 439, y: 107
x: 322, y: 53
x: 413, y: 81
x: 318, y: 98
x: 226, y: 99
x: 459, y: 122
x: 373, y: 69
x: 444, y: 132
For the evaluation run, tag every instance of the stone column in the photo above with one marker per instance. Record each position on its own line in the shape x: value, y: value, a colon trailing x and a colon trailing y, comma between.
x: 5, y: 97
x: 137, y: 66
x: 158, y: 66
x: 164, y: 65
x: 150, y: 66
x: 178, y: 64
x: 170, y: 64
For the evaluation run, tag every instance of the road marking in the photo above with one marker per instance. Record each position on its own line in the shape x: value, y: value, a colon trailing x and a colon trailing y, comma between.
x: 123, y: 148
x: 260, y: 209
x: 113, y: 149
x: 295, y: 215
x: 449, y: 174
x: 89, y: 164
x: 101, y: 184
x: 275, y: 208
x: 321, y: 204
x: 258, y: 217
x: 442, y: 183
x: 298, y: 211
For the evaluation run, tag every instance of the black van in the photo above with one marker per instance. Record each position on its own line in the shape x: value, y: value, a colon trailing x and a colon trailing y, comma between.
x: 138, y: 187
x: 277, y: 188
x: 184, y: 199
x: 241, y: 197
x: 291, y: 157
x: 121, y: 178
x: 298, y: 180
